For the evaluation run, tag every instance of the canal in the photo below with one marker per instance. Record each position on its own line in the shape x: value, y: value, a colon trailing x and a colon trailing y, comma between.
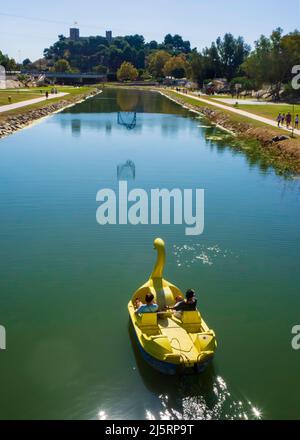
x: 65, y: 281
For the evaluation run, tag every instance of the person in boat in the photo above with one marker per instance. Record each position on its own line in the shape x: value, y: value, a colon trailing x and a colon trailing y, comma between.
x: 149, y: 307
x: 186, y: 305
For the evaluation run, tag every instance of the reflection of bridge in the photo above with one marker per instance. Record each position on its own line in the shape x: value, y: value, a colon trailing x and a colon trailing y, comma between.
x: 127, y: 119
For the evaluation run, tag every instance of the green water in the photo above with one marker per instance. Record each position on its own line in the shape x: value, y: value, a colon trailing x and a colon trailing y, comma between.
x: 65, y: 280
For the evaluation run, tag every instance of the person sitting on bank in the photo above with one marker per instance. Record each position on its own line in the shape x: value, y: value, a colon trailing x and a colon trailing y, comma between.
x: 149, y: 307
x: 187, y: 305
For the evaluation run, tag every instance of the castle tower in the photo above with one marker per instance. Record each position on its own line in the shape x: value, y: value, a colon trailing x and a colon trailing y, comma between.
x: 74, y: 34
x: 109, y: 36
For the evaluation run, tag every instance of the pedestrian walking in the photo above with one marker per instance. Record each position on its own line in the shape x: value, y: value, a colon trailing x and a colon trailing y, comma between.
x: 297, y: 122
x: 288, y: 120
x: 279, y: 119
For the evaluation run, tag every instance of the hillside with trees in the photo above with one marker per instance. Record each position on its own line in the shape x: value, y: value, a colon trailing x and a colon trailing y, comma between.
x: 269, y: 63
x: 96, y: 54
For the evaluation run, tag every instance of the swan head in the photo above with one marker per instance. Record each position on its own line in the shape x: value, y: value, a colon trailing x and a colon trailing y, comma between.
x: 159, y: 244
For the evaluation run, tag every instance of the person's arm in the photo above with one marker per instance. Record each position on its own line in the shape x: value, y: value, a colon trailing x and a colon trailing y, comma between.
x: 179, y: 307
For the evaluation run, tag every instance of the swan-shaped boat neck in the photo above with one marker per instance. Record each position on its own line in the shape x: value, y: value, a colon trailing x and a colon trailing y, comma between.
x: 169, y: 343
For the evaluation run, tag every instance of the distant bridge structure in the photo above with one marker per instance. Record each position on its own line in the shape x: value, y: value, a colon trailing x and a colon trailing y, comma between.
x: 67, y: 77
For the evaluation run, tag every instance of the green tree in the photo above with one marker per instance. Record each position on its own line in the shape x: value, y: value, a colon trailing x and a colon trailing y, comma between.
x: 226, y: 55
x: 156, y: 63
x: 87, y: 53
x: 272, y: 60
x: 175, y: 44
x: 127, y: 72
x: 8, y: 63
x: 245, y: 83
x: 115, y: 58
x: 135, y: 41
x: 62, y: 66
x: 100, y: 69
x: 176, y: 66
x: 198, y: 67
x: 153, y: 45
x: 26, y: 62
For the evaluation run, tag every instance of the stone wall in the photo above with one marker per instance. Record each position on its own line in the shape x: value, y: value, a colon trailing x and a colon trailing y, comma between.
x: 10, y: 124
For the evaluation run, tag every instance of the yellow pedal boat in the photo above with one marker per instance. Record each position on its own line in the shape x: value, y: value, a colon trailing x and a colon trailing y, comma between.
x: 168, y: 343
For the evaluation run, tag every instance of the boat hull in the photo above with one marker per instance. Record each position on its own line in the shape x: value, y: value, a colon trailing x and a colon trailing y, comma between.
x: 168, y: 368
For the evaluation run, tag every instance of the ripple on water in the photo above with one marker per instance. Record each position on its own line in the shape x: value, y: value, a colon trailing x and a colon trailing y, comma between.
x: 219, y: 405
x: 187, y: 255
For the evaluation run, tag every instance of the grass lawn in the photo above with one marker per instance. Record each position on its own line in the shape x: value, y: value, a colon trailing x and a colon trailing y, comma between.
x: 72, y: 91
x: 233, y: 116
x: 267, y: 111
x: 26, y: 94
x: 17, y: 96
x: 270, y: 111
x: 66, y: 89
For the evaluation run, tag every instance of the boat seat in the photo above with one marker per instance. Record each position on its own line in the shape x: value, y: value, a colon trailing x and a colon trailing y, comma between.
x: 148, y: 320
x: 191, y: 317
x: 191, y: 321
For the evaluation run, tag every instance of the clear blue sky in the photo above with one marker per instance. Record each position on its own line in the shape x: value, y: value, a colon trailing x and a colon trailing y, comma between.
x: 199, y: 21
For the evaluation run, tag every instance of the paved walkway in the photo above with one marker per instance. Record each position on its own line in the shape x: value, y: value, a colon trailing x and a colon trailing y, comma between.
x: 246, y: 101
x: 8, y: 107
x: 239, y: 112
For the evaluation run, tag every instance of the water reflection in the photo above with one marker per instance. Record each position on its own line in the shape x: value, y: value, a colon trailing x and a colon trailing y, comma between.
x: 191, y: 397
x: 126, y: 171
x: 135, y: 101
x: 108, y: 127
x: 123, y: 100
x: 127, y: 119
x: 128, y: 101
x: 251, y: 149
x: 76, y: 127
x: 108, y: 122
